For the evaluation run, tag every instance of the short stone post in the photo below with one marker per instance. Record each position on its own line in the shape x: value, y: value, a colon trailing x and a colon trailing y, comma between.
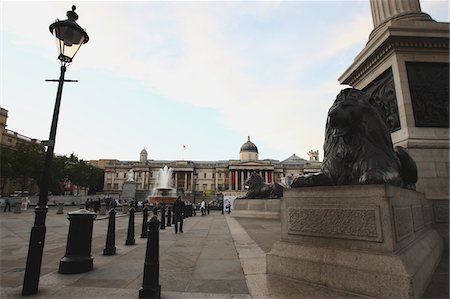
x: 130, y: 234
x: 110, y: 248
x: 163, y: 217
x: 144, y: 223
x: 150, y: 283
x: 102, y: 208
x: 169, y: 216
x: 60, y: 208
x: 79, y: 243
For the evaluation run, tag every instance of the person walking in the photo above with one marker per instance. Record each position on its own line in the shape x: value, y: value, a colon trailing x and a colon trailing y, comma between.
x: 203, y: 207
x: 7, y: 204
x: 178, y: 214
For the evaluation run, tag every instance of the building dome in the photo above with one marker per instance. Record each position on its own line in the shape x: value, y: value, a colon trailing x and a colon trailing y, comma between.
x: 249, y: 147
x: 249, y: 151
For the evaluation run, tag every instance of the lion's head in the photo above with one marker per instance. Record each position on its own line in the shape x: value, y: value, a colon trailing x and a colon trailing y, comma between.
x: 358, y: 146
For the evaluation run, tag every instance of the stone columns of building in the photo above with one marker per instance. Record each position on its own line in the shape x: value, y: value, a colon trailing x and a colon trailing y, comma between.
x: 192, y: 181
x: 176, y: 180
x: 185, y: 181
x: 230, y: 181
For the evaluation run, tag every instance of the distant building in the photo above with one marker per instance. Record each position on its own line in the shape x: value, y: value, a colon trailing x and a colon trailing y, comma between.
x: 10, y: 138
x: 207, y: 177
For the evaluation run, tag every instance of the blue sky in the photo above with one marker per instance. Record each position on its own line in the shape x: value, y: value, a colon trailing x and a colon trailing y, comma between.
x: 204, y: 74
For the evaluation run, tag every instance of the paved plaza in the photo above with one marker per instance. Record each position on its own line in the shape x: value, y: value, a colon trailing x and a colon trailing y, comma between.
x: 217, y: 256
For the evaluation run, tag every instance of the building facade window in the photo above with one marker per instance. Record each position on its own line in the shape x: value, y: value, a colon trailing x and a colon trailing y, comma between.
x: 204, y: 175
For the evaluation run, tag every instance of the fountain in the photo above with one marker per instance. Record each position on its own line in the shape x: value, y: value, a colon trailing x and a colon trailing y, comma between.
x: 163, y: 193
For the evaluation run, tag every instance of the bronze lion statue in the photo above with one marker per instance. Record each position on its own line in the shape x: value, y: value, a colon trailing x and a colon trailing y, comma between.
x: 358, y: 147
x: 257, y: 188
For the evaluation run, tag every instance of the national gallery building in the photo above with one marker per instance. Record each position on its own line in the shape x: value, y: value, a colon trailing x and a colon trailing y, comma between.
x: 206, y: 177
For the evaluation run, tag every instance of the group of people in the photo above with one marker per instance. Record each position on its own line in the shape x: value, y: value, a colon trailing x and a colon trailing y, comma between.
x: 24, y: 202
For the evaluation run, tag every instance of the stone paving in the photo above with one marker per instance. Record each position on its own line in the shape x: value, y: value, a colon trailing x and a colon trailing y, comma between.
x: 217, y: 256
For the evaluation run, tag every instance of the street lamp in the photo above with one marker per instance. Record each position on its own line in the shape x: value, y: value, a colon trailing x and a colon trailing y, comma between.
x: 69, y: 36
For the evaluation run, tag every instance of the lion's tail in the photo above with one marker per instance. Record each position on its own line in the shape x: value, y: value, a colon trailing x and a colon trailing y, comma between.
x: 408, y: 168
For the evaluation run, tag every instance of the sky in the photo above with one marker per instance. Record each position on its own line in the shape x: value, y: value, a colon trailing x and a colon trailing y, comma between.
x: 160, y: 75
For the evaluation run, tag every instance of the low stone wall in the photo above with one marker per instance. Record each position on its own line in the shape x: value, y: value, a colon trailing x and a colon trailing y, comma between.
x: 374, y: 240
x: 257, y: 208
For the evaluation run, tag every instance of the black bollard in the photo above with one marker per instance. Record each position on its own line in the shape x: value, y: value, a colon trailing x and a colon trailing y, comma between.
x: 163, y: 217
x: 79, y: 243
x: 150, y: 283
x: 229, y: 208
x: 144, y: 223
x: 221, y: 207
x: 169, y: 216
x: 207, y: 209
x: 130, y: 234
x: 110, y: 248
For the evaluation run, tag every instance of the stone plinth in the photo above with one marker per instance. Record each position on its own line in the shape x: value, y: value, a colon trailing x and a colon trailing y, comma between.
x: 257, y: 208
x: 374, y: 240
x: 128, y: 191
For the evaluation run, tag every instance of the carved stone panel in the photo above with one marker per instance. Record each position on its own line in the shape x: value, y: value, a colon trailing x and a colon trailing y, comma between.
x: 358, y: 223
x: 429, y: 89
x: 418, y: 217
x: 440, y: 212
x: 402, y: 222
x: 382, y: 91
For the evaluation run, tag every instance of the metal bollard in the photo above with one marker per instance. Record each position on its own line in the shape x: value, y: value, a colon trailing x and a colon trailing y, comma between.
x: 207, y: 209
x: 79, y: 243
x: 130, y: 234
x: 163, y: 217
x: 150, y: 283
x: 221, y: 207
x: 144, y: 223
x: 110, y: 248
x: 169, y: 216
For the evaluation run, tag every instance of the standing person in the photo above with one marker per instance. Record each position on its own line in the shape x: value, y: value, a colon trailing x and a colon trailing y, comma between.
x: 203, y: 207
x: 7, y: 204
x: 178, y: 213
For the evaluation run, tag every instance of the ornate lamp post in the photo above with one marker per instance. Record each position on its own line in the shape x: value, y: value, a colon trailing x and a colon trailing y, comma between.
x: 69, y: 37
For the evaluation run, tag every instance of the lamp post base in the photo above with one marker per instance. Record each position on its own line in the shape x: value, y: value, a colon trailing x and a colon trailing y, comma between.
x: 150, y: 292
x: 75, y: 265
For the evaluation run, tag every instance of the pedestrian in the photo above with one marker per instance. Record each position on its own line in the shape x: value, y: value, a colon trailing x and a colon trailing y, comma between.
x: 7, y: 204
x: 178, y: 214
x: 113, y: 203
x: 203, y: 207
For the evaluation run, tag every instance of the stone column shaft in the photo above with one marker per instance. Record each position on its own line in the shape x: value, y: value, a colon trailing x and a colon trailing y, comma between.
x: 383, y: 10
